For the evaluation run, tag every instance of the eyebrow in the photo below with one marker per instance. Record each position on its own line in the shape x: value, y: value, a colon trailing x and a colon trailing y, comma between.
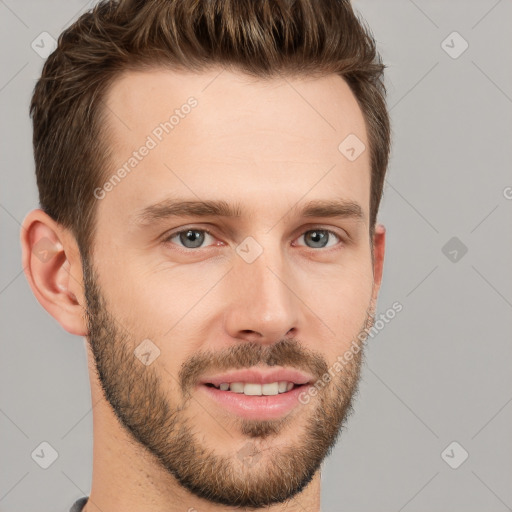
x: 168, y: 208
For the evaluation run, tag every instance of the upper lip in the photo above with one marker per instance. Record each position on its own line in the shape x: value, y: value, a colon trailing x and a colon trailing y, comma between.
x: 254, y: 375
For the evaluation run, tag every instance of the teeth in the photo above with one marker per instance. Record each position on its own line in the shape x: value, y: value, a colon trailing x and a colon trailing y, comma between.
x: 253, y: 389
x: 237, y: 387
x: 270, y: 389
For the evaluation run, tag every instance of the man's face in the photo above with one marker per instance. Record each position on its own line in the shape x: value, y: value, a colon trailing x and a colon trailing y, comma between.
x: 269, y: 289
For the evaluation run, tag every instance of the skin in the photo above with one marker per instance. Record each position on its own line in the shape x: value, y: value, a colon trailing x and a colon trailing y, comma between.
x: 158, y: 444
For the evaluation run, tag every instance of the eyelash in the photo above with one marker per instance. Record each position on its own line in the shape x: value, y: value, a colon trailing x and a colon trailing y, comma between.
x: 167, y: 239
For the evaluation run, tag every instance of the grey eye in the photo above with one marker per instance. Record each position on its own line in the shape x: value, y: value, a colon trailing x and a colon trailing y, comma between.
x: 190, y: 238
x: 319, y: 238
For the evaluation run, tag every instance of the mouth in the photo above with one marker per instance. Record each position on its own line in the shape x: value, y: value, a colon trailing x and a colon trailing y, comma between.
x: 256, y: 396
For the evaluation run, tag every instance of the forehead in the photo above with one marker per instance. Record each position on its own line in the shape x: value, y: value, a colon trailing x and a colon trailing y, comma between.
x: 221, y: 134
x: 139, y: 99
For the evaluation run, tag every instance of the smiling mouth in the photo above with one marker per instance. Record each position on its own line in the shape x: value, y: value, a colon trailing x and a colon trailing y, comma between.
x: 255, y: 400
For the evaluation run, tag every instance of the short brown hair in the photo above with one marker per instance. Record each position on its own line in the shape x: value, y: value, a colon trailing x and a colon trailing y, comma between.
x: 264, y: 38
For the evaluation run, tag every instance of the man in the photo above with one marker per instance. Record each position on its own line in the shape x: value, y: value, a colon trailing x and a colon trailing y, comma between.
x: 210, y: 175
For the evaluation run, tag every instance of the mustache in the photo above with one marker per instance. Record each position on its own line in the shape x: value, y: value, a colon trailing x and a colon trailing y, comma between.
x: 286, y: 352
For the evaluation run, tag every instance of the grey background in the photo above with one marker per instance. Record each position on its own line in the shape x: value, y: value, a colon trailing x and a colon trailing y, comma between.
x: 438, y: 372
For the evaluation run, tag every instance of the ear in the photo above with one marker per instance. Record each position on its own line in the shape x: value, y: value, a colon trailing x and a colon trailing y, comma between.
x: 52, y: 266
x: 379, y: 244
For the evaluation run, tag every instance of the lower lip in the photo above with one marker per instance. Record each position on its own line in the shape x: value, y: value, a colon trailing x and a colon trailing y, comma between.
x: 255, y: 407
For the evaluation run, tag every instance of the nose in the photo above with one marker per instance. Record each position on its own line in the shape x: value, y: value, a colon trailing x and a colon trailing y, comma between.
x: 261, y: 305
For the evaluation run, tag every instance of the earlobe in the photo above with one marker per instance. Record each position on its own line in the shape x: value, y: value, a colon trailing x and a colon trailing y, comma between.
x: 52, y: 266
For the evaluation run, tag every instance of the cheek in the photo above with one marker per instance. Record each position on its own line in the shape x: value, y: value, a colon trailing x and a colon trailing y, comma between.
x: 147, y: 297
x: 345, y: 303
